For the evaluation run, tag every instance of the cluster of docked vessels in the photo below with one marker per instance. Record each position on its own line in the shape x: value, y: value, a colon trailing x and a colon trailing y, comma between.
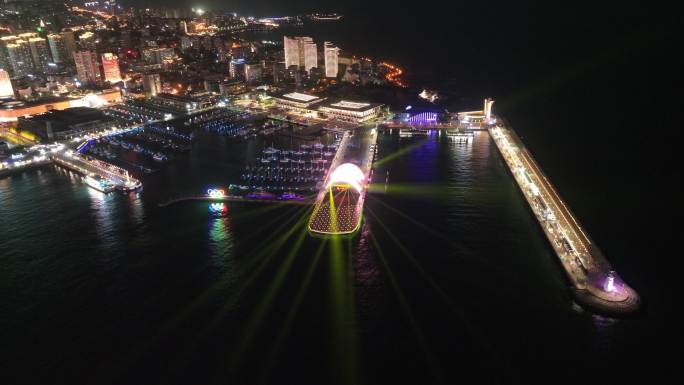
x: 290, y: 170
x: 233, y: 128
x: 154, y: 144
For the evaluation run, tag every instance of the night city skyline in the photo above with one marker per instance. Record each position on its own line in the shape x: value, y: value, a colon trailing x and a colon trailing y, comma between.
x: 331, y: 192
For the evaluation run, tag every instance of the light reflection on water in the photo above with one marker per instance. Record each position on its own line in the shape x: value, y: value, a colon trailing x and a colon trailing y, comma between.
x: 220, y: 234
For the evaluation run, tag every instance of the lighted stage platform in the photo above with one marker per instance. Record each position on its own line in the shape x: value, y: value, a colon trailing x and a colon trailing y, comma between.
x: 339, y: 205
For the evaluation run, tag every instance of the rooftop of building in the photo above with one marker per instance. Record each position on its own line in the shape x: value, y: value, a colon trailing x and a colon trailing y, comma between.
x: 299, y: 97
x: 348, y: 105
x: 70, y: 116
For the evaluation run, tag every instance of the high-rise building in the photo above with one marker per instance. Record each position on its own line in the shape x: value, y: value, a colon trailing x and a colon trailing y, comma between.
x: 4, y: 55
x: 163, y: 56
x: 69, y: 44
x: 57, y: 48
x: 40, y: 53
x: 6, y: 90
x: 253, y: 72
x: 19, y: 54
x: 331, y: 54
x: 87, y: 68
x: 87, y: 41
x: 110, y: 68
x: 236, y: 68
x: 291, y: 51
x: 300, y: 51
x: 310, y: 55
x: 152, y: 84
x: 186, y: 42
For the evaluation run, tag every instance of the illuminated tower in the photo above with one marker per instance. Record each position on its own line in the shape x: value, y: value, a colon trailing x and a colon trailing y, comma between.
x: 87, y: 68
x: 331, y: 53
x: 57, y: 48
x: 6, y: 90
x: 40, y: 53
x: 69, y: 44
x: 310, y: 52
x: 488, y: 108
x: 19, y: 55
x: 110, y: 67
x: 300, y: 51
x: 291, y: 51
x: 152, y: 84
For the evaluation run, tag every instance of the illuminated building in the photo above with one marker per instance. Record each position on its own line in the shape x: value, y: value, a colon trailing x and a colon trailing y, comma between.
x: 234, y: 87
x: 57, y: 48
x: 477, y: 119
x: 87, y: 42
x: 297, y: 101
x: 87, y: 68
x: 110, y: 67
x: 236, y: 68
x: 12, y: 110
x: 64, y: 124
x: 310, y: 55
x: 40, y: 53
x: 6, y: 90
x: 152, y: 84
x: 163, y: 56
x: 351, y: 111
x: 253, y: 72
x: 300, y: 51
x: 488, y: 108
x: 291, y: 52
x: 331, y: 54
x: 69, y: 44
x: 19, y: 54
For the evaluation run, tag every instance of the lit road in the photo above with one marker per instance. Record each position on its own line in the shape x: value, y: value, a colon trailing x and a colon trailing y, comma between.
x: 588, y: 270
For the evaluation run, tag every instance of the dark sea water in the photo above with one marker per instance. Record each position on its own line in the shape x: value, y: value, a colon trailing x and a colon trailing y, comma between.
x: 450, y: 279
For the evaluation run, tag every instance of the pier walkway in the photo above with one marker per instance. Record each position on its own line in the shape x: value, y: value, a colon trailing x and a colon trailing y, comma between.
x: 235, y: 198
x: 596, y: 285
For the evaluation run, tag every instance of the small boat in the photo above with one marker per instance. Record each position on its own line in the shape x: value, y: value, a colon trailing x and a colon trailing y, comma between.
x: 159, y: 157
x: 260, y: 195
x: 290, y: 196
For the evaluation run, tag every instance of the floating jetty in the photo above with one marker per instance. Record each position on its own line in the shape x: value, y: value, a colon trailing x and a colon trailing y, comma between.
x: 595, y: 284
x: 238, y: 198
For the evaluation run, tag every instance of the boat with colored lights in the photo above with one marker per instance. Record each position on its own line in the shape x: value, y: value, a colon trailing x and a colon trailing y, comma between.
x: 260, y: 195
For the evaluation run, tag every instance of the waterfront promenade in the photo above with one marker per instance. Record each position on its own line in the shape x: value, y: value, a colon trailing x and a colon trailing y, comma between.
x: 596, y: 284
